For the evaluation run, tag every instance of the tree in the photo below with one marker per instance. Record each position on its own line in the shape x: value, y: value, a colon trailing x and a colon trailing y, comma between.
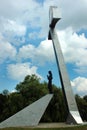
x: 3, y: 100
x: 5, y: 92
x: 28, y: 81
x: 82, y: 106
x: 56, y: 111
x: 85, y: 98
x: 30, y: 90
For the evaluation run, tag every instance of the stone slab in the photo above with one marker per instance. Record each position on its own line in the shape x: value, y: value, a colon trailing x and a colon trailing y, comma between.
x: 29, y: 116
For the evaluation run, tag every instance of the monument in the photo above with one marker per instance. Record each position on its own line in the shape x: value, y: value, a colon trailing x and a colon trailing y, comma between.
x: 31, y: 115
x: 73, y: 113
x: 50, y: 77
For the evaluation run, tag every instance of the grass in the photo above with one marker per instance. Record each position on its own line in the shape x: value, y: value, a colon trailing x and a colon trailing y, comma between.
x: 82, y: 127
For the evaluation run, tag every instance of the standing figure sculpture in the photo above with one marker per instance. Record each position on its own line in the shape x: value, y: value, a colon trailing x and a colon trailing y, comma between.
x: 49, y: 77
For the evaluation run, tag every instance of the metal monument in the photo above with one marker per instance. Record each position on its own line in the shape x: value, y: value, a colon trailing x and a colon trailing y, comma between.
x: 73, y: 113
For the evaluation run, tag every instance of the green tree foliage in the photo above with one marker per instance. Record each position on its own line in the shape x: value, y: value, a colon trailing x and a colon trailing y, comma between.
x: 56, y: 111
x: 30, y: 90
x: 85, y: 98
x: 5, y: 92
x: 3, y: 100
x: 82, y: 106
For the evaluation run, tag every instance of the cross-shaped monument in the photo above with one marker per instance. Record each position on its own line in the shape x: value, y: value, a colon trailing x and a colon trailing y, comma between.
x: 31, y: 115
x: 73, y: 113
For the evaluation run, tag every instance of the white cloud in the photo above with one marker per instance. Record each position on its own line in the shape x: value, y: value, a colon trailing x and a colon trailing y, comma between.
x: 33, y: 14
x: 41, y: 54
x: 74, y: 47
x: 13, y: 28
x: 14, y: 9
x: 73, y: 14
x: 16, y: 16
x: 79, y: 85
x: 20, y: 70
x: 12, y: 31
x: 7, y: 51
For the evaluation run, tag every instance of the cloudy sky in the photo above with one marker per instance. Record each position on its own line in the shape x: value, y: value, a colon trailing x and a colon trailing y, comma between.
x: 24, y: 48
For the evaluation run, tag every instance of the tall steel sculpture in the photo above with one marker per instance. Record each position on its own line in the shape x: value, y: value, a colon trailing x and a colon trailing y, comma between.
x: 73, y: 113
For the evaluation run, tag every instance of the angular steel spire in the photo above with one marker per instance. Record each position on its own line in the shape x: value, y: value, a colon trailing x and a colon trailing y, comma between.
x: 73, y: 113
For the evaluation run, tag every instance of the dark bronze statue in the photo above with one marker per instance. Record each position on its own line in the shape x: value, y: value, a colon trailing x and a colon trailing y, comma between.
x: 49, y: 77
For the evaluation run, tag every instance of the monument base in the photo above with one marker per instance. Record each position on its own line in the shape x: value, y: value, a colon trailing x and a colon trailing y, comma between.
x: 30, y: 115
x: 74, y: 118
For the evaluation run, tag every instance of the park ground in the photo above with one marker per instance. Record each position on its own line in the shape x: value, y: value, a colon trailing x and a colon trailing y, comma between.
x: 50, y: 126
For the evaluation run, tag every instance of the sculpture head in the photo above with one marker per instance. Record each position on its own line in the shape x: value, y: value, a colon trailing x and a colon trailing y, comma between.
x: 49, y: 72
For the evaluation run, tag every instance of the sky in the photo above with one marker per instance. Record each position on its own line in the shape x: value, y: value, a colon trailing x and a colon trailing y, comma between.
x: 26, y: 50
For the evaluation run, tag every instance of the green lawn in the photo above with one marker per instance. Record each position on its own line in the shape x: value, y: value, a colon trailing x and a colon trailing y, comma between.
x: 83, y: 127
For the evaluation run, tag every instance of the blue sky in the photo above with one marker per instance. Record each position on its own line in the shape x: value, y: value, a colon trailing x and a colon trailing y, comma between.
x: 24, y: 48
